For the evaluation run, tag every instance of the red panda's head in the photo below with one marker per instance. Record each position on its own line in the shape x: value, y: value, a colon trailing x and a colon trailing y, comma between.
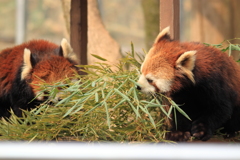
x: 48, y: 65
x: 166, y: 65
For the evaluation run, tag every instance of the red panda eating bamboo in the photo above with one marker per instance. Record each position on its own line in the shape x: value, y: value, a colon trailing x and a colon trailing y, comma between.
x: 204, y: 81
x: 24, y: 67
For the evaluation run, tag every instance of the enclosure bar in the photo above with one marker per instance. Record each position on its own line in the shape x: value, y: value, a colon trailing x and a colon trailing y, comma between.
x: 170, y: 16
x: 117, y: 151
x: 78, y: 28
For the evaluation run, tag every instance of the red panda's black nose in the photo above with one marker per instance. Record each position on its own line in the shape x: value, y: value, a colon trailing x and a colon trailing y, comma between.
x: 138, y: 87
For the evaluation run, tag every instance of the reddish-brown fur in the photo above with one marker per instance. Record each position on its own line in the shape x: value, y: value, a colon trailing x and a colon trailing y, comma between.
x: 214, y: 61
x: 48, y: 65
x: 12, y: 59
x: 204, y: 81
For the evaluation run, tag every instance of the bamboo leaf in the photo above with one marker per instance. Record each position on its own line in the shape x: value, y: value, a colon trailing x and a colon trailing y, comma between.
x: 107, y: 113
x: 119, y: 103
x: 134, y: 109
x: 170, y: 111
x: 179, y: 109
x: 121, y: 94
x: 132, y: 49
x: 149, y: 116
x: 96, y: 97
x: 98, y: 57
x: 96, y: 106
x: 182, y: 112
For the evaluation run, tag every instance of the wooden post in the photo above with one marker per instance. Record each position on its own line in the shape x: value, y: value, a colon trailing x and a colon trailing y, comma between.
x: 78, y: 29
x: 169, y: 16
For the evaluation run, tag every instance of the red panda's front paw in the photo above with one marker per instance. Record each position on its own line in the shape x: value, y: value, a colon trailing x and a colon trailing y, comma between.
x: 201, y: 131
x: 178, y: 136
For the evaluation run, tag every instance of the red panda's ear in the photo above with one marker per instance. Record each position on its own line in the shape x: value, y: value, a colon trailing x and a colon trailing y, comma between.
x: 58, y: 51
x: 186, y: 62
x: 27, y: 64
x: 164, y: 34
x: 66, y: 47
x: 67, y: 50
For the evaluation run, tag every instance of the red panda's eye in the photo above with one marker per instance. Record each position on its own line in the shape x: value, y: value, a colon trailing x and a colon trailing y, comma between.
x: 149, y: 80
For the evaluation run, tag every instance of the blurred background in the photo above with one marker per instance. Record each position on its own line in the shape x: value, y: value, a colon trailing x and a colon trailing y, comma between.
x: 122, y: 21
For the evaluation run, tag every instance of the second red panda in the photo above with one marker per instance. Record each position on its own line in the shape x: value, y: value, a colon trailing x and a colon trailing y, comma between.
x: 25, y: 66
x: 204, y: 81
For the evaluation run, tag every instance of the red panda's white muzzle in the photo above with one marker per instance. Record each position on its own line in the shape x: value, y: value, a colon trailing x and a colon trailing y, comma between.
x: 145, y: 86
x: 150, y: 84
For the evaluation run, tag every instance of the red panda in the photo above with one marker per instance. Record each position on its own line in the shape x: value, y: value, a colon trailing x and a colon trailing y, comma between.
x: 24, y: 66
x: 202, y: 80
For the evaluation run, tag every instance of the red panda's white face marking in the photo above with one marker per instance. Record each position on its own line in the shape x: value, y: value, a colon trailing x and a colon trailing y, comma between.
x: 162, y: 65
x: 150, y: 84
x: 146, y: 87
x: 157, y: 74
